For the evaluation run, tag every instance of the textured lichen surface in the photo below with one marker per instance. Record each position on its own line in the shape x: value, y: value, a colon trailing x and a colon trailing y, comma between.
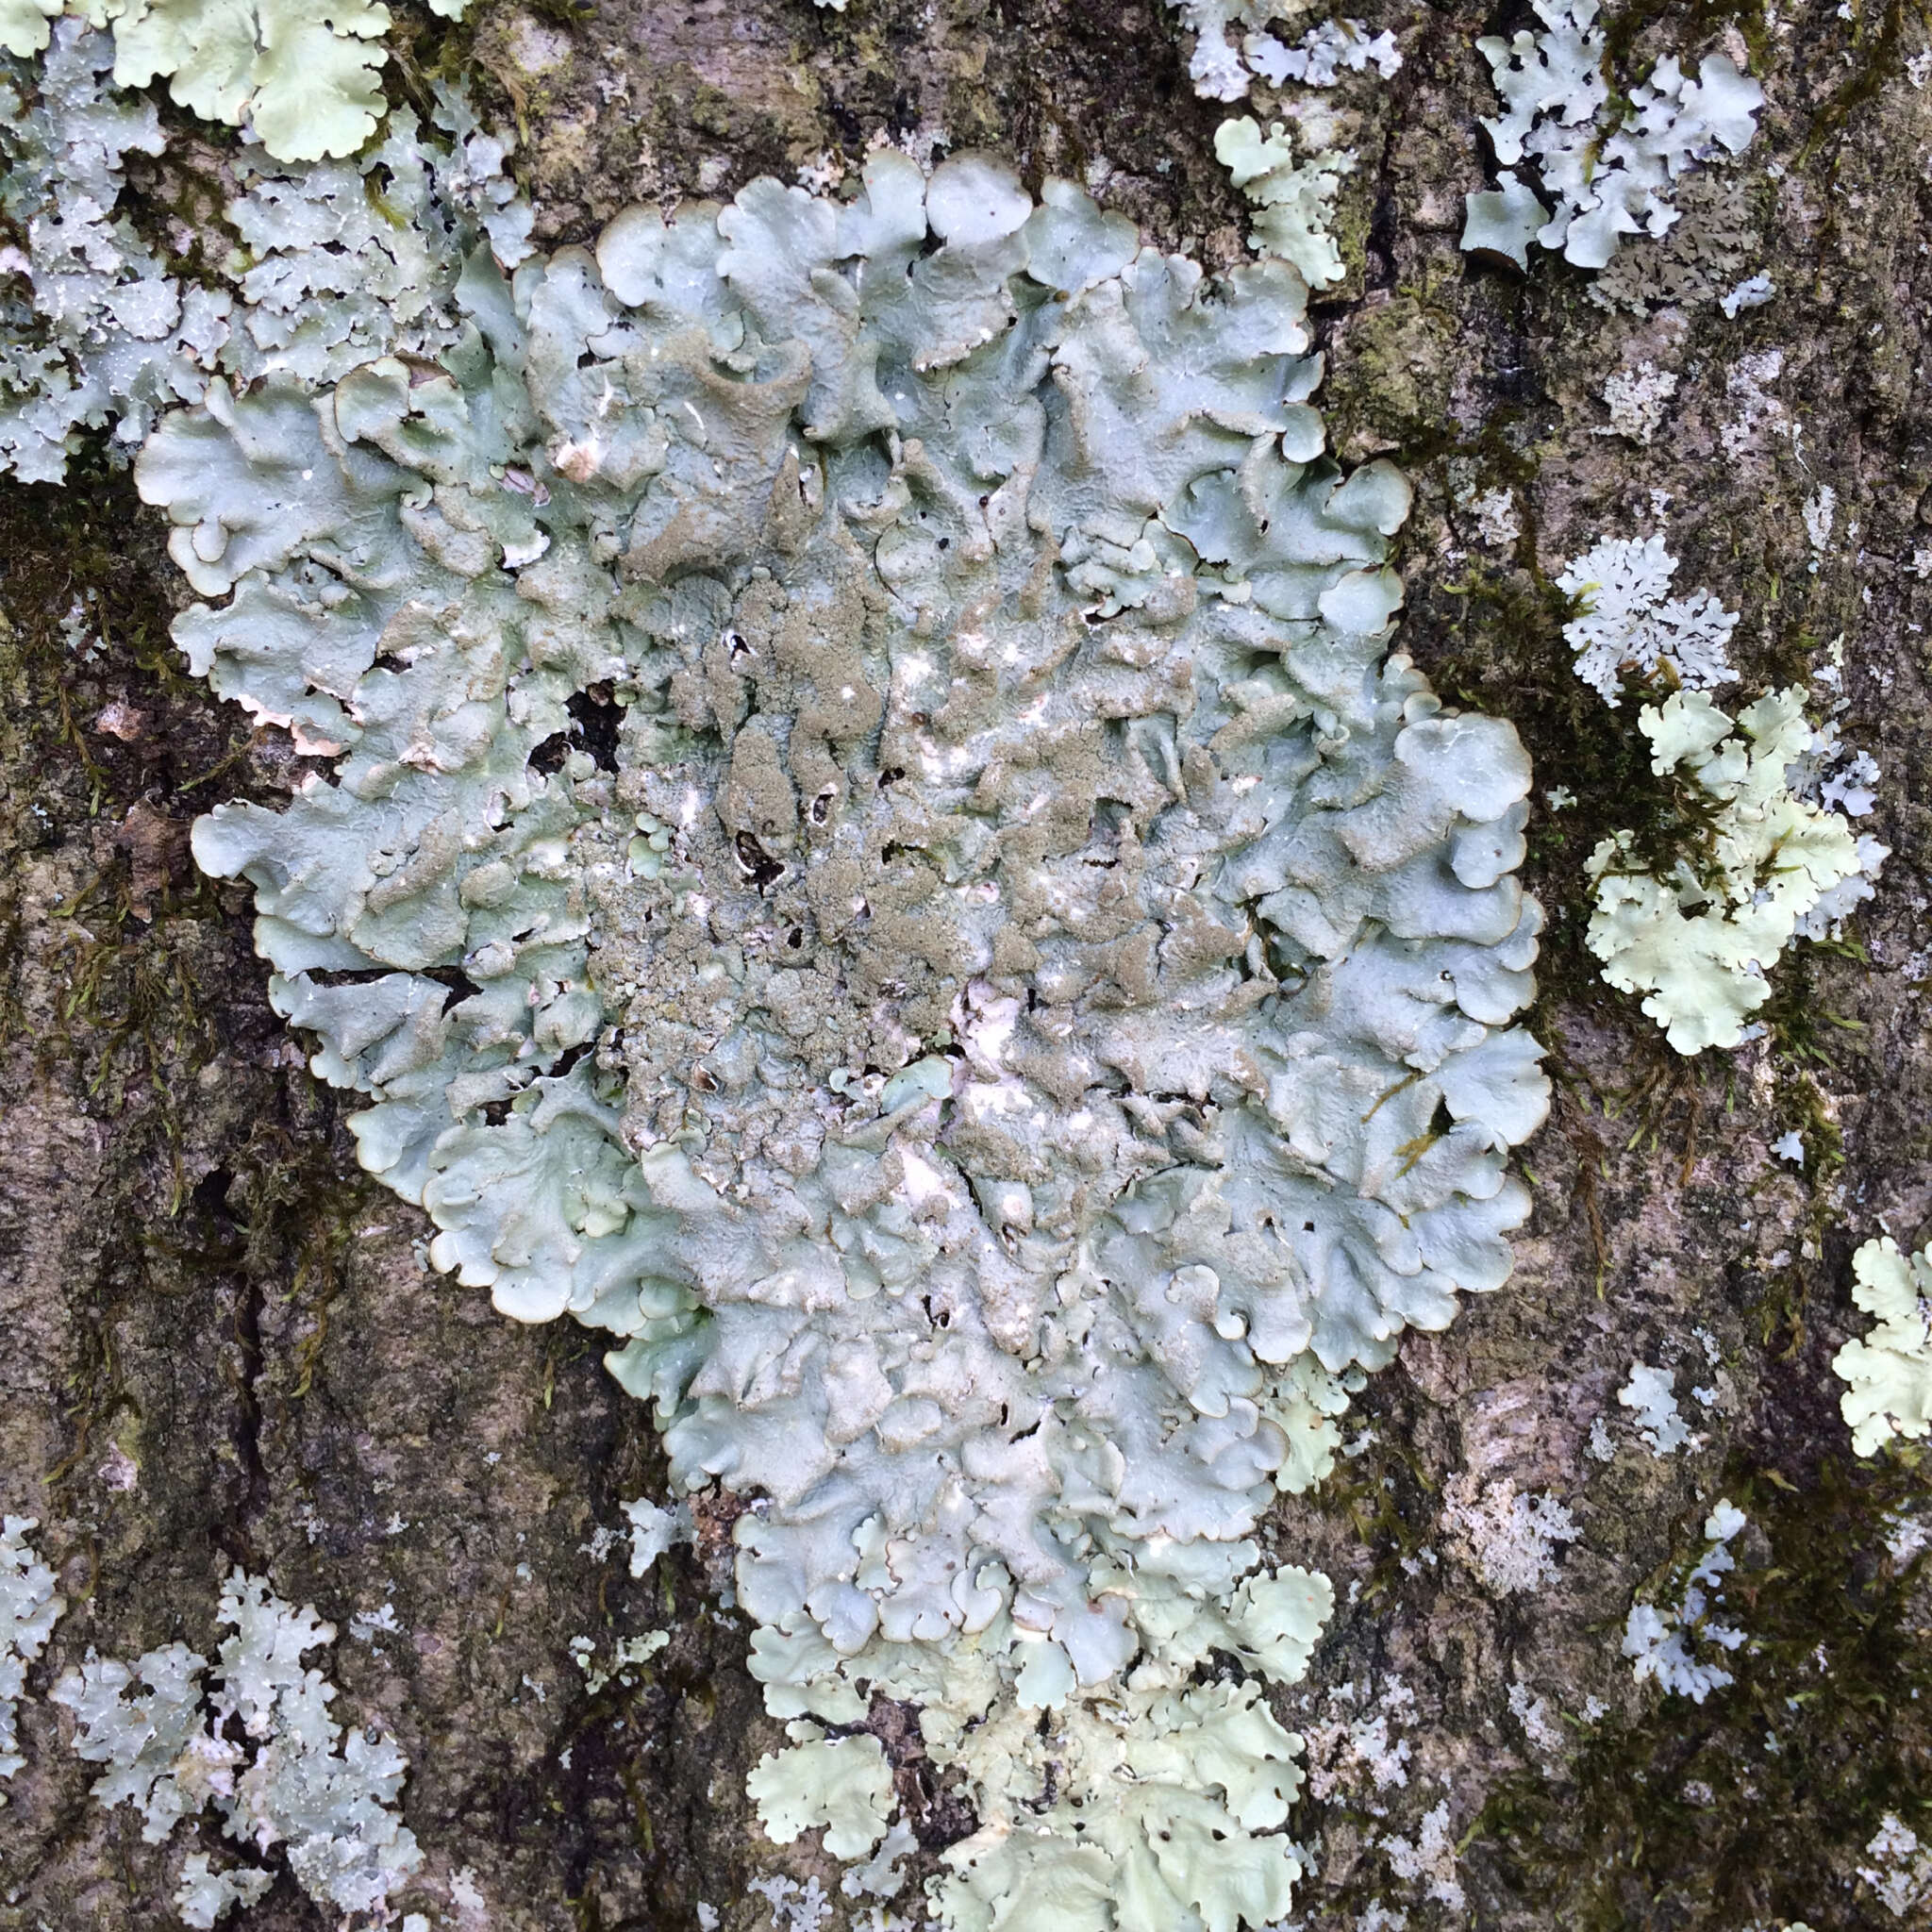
x: 325, y: 267
x: 304, y: 78
x: 223, y: 1349
x: 1058, y: 959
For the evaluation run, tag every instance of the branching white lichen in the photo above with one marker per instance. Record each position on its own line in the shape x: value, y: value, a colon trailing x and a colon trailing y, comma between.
x: 1533, y: 1714
x: 1497, y: 516
x: 1429, y: 1856
x: 982, y: 970
x: 1631, y: 626
x: 258, y: 1744
x: 1507, y: 1538
x: 29, y: 1608
x: 345, y: 260
x: 1900, y: 1875
x: 1223, y: 68
x: 1362, y: 1756
x: 1833, y: 775
x: 1698, y: 942
x: 1674, y: 1645
x: 1607, y: 169
x: 1323, y: 54
x: 626, y: 1653
x: 1887, y: 1370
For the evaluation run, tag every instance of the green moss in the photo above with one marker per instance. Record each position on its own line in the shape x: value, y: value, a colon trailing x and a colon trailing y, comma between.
x: 1692, y: 25
x: 132, y: 935
x: 1391, y: 387
x: 1836, y: 1673
x: 1877, y: 57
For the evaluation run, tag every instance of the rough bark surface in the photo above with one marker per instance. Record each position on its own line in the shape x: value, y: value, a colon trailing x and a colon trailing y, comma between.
x: 220, y: 1342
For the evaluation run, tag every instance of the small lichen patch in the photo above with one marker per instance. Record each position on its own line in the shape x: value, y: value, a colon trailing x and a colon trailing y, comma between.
x: 1323, y: 54
x: 1900, y: 1875
x: 204, y: 1896
x: 1887, y: 1370
x: 259, y: 1743
x: 1637, y: 399
x: 1674, y: 1644
x: 1630, y: 624
x: 653, y: 1530
x: 1649, y: 1394
x: 29, y: 1608
x: 1429, y: 1858
x: 1699, y: 941
x: 1510, y: 1540
x: 1218, y: 67
x: 1295, y: 199
x: 1607, y: 166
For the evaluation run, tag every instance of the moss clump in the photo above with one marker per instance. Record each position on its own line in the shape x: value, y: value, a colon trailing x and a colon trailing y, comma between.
x: 1757, y: 1805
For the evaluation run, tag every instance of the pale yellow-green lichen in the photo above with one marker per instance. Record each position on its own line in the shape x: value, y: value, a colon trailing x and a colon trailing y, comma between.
x: 1698, y: 942
x: 1887, y: 1370
x: 304, y: 76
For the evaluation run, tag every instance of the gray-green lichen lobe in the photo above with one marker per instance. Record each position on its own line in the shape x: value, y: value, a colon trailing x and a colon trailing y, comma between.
x: 405, y: 1359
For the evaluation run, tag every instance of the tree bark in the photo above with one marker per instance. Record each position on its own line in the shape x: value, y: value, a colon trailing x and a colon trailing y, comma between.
x: 221, y: 1343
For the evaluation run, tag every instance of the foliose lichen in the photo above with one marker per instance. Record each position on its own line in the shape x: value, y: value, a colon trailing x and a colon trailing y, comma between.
x: 29, y: 1608
x: 1294, y: 200
x: 1219, y: 66
x: 259, y: 1745
x: 1651, y: 1397
x: 1608, y: 164
x: 881, y: 854
x: 1677, y: 1644
x: 304, y: 77
x: 1900, y: 1873
x: 1323, y: 54
x: 1703, y: 258
x: 1761, y: 862
x: 1629, y: 623
x: 335, y: 263
x: 1887, y: 1370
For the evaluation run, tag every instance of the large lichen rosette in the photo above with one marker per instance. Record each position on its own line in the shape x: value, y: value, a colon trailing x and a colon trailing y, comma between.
x: 880, y: 853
